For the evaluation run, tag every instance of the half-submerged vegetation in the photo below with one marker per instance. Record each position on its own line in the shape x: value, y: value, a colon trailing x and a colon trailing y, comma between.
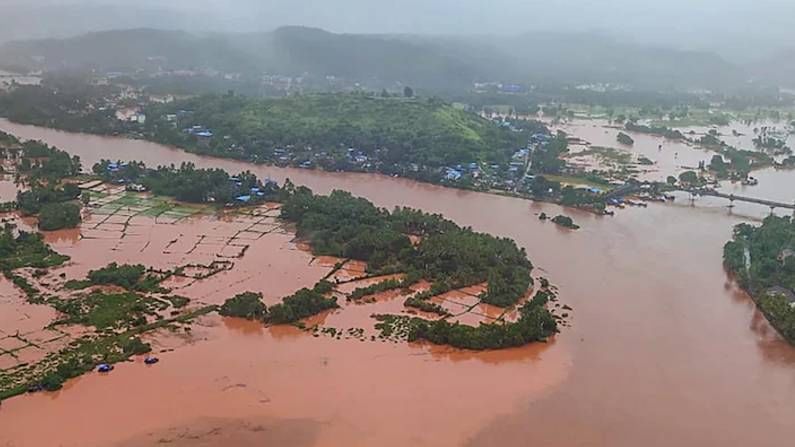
x: 446, y: 255
x: 130, y: 277
x: 565, y: 222
x: 535, y: 323
x: 625, y: 139
x: 662, y: 131
x: 303, y: 303
x: 20, y: 249
x: 345, y: 226
x: 762, y: 259
x: 114, y: 319
x: 246, y: 305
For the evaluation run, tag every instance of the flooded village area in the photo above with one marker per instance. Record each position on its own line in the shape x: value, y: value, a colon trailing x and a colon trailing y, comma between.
x: 334, y: 379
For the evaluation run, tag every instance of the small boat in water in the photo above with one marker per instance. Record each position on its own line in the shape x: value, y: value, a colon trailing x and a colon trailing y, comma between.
x: 104, y: 368
x: 149, y: 360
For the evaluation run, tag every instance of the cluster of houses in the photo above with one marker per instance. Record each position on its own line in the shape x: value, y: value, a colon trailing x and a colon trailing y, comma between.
x: 113, y: 169
x: 247, y: 196
x: 511, y: 175
x: 456, y: 172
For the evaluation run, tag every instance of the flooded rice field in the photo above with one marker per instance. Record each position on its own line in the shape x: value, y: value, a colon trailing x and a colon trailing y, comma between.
x: 662, y: 347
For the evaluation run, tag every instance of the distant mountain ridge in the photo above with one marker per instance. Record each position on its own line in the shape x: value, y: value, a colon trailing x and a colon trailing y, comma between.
x: 422, y: 61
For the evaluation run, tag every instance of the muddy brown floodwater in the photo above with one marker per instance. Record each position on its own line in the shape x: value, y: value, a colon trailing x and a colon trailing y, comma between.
x: 663, y: 348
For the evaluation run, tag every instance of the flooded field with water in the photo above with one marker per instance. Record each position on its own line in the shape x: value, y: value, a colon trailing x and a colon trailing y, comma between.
x: 657, y: 355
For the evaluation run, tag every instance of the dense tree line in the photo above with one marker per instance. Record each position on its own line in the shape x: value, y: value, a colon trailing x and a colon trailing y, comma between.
x: 40, y: 163
x: 59, y: 215
x: 345, y: 226
x: 535, y: 323
x: 302, y: 304
x: 187, y: 183
x: 762, y: 258
x: 43, y: 168
x: 63, y: 102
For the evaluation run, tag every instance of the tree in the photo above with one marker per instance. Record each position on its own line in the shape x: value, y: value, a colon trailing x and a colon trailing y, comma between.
x: 625, y: 139
x: 408, y: 92
x: 56, y: 216
x: 244, y: 305
x: 689, y: 177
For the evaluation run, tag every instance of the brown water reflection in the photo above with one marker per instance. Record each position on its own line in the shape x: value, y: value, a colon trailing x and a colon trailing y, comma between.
x: 661, y: 352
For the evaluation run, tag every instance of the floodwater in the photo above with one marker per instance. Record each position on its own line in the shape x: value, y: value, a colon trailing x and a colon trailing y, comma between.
x: 670, y: 157
x: 662, y: 348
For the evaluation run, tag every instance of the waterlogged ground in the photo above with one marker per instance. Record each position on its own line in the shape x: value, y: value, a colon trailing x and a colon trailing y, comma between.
x: 226, y: 253
x: 668, y: 352
x: 669, y: 157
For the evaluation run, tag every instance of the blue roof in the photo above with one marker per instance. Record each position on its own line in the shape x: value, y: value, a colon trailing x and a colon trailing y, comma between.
x: 452, y: 174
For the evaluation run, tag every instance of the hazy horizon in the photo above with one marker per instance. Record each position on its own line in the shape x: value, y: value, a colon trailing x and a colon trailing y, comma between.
x: 716, y: 25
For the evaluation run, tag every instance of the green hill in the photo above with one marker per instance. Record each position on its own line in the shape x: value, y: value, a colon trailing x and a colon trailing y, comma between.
x: 388, y: 131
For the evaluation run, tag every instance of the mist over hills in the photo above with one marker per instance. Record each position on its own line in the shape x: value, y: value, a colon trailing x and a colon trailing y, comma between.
x: 419, y: 60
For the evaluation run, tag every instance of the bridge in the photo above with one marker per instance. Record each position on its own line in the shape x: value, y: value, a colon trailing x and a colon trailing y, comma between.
x: 735, y: 198
x: 631, y: 188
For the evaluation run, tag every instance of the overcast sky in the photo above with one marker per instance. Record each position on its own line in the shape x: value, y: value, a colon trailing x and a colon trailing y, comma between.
x: 682, y: 23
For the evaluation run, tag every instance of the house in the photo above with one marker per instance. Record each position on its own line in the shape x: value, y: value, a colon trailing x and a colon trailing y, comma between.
x: 114, y: 167
x: 785, y: 254
x: 243, y: 199
x: 452, y: 174
x: 782, y: 291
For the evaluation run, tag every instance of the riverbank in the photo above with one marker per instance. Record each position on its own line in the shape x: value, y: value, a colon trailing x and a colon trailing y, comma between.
x: 549, y: 191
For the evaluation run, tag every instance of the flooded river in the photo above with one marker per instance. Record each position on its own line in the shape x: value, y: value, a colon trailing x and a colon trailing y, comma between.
x: 663, y: 349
